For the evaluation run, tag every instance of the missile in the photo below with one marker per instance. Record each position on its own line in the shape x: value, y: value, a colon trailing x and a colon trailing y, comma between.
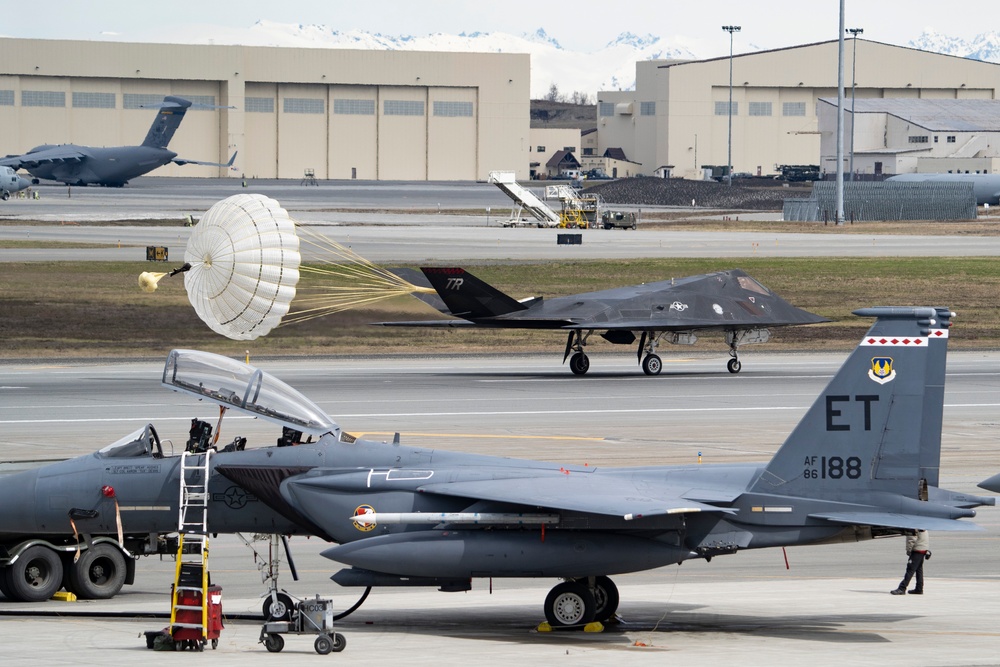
x: 494, y: 518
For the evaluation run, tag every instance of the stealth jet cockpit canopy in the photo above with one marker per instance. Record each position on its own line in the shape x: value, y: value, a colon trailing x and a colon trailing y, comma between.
x: 233, y: 384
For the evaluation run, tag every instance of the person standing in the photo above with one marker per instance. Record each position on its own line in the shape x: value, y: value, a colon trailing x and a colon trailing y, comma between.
x: 917, y: 550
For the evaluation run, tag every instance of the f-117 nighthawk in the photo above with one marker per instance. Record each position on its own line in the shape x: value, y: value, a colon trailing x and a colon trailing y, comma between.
x: 671, y: 311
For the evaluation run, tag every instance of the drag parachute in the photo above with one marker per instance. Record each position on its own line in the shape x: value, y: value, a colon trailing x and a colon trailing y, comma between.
x: 244, y: 266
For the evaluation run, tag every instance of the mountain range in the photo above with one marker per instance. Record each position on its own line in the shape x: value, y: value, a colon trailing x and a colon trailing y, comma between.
x: 607, y: 67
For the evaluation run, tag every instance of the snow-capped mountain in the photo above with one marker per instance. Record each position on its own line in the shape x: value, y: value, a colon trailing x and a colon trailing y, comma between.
x: 609, y: 66
x: 985, y: 46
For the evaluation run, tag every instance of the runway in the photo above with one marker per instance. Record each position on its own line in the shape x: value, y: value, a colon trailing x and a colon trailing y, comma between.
x: 392, y: 222
x: 833, y: 600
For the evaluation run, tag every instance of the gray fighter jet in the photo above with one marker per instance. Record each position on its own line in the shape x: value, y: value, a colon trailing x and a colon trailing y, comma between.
x: 670, y: 311
x: 863, y: 463
x: 114, y: 166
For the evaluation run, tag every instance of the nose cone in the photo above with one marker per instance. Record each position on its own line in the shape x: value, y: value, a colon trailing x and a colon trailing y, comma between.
x: 23, y: 183
x: 17, y: 503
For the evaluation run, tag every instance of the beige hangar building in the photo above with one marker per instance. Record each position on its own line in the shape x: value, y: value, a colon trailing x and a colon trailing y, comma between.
x: 343, y: 114
x: 676, y: 119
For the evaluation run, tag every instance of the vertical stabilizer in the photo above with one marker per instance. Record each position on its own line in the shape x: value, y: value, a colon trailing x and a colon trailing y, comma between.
x: 877, y: 425
x: 469, y: 297
x: 167, y: 121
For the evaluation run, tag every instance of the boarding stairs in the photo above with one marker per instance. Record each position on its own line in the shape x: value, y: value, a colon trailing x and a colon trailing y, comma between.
x: 189, y: 600
x: 524, y: 200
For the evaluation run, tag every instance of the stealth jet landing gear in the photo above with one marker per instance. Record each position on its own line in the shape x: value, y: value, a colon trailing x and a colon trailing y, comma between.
x: 651, y: 363
x: 579, y: 363
x: 579, y: 602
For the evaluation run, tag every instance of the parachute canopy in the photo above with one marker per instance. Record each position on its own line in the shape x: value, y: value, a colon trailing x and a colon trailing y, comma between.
x: 244, y: 257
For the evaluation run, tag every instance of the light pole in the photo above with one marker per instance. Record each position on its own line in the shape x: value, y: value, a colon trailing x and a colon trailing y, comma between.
x: 729, y: 157
x: 854, y: 80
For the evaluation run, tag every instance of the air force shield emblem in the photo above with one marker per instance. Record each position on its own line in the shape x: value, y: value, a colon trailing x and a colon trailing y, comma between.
x: 881, y: 370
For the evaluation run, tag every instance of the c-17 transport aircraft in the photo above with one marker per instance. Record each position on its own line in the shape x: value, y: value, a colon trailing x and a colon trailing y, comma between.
x: 862, y: 463
x: 112, y: 166
x: 669, y: 310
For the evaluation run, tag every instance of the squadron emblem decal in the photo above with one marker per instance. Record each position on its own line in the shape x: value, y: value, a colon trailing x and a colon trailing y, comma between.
x: 881, y: 370
x: 364, y: 526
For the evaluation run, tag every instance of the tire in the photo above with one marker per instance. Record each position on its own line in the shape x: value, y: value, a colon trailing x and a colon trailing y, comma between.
x: 339, y: 642
x: 35, y: 576
x: 274, y: 643
x: 280, y: 610
x: 579, y: 363
x: 652, y: 364
x: 606, y: 599
x: 99, y: 574
x: 569, y: 604
x: 734, y: 365
x: 4, y: 588
x: 323, y: 644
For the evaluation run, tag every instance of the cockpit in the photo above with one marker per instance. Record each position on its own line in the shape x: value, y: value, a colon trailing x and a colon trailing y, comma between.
x: 141, y: 443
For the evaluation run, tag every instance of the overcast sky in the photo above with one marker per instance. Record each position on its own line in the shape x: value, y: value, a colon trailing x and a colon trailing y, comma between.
x: 581, y: 25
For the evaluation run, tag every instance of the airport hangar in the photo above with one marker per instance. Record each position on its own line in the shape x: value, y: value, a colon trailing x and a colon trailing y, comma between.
x: 387, y: 115
x: 676, y: 119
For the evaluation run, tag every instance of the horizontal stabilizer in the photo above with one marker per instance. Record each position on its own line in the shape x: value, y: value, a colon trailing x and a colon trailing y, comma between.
x: 893, y: 520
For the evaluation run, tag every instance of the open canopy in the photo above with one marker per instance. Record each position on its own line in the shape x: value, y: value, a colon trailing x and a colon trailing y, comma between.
x: 233, y: 384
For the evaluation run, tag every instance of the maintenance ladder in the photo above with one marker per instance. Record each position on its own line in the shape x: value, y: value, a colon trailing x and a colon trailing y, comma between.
x: 189, y: 601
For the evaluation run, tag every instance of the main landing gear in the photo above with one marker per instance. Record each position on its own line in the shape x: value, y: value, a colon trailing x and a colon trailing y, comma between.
x: 577, y: 602
x: 579, y: 363
x: 651, y: 363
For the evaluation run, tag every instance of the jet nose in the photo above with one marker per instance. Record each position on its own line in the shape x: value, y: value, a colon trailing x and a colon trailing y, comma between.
x: 23, y: 183
x: 17, y: 498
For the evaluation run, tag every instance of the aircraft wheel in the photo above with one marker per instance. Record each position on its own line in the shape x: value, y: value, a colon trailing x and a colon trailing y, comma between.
x: 569, y: 603
x: 652, y: 364
x: 274, y: 643
x: 278, y: 610
x: 35, y: 576
x: 339, y: 642
x: 99, y: 574
x: 606, y: 598
x: 579, y: 363
x: 4, y: 588
x: 6, y: 196
x: 734, y: 365
x: 323, y: 644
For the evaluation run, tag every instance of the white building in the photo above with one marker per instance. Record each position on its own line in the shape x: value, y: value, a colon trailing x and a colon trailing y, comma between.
x: 677, y: 118
x: 902, y: 136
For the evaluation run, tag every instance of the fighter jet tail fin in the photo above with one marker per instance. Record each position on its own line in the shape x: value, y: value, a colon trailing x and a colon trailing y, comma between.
x: 877, y: 425
x: 469, y: 297
x: 169, y: 118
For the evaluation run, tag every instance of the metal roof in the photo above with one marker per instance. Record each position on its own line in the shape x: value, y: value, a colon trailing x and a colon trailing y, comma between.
x: 933, y: 115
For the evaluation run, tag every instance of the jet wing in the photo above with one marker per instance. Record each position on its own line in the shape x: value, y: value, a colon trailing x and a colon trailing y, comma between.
x: 182, y: 161
x: 55, y: 155
x: 893, y: 520
x: 428, y: 323
x: 612, y: 496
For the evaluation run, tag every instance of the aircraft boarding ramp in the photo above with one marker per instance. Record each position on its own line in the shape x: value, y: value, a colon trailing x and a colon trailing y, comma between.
x: 524, y: 200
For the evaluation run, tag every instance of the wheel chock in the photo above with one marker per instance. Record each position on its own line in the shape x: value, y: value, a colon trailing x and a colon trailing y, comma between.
x: 64, y: 596
x: 596, y: 626
x: 544, y: 626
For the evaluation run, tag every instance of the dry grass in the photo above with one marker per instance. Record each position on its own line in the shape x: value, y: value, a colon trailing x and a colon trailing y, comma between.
x: 95, y: 309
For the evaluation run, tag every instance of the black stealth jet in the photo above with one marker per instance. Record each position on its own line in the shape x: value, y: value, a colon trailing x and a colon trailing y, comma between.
x: 670, y: 310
